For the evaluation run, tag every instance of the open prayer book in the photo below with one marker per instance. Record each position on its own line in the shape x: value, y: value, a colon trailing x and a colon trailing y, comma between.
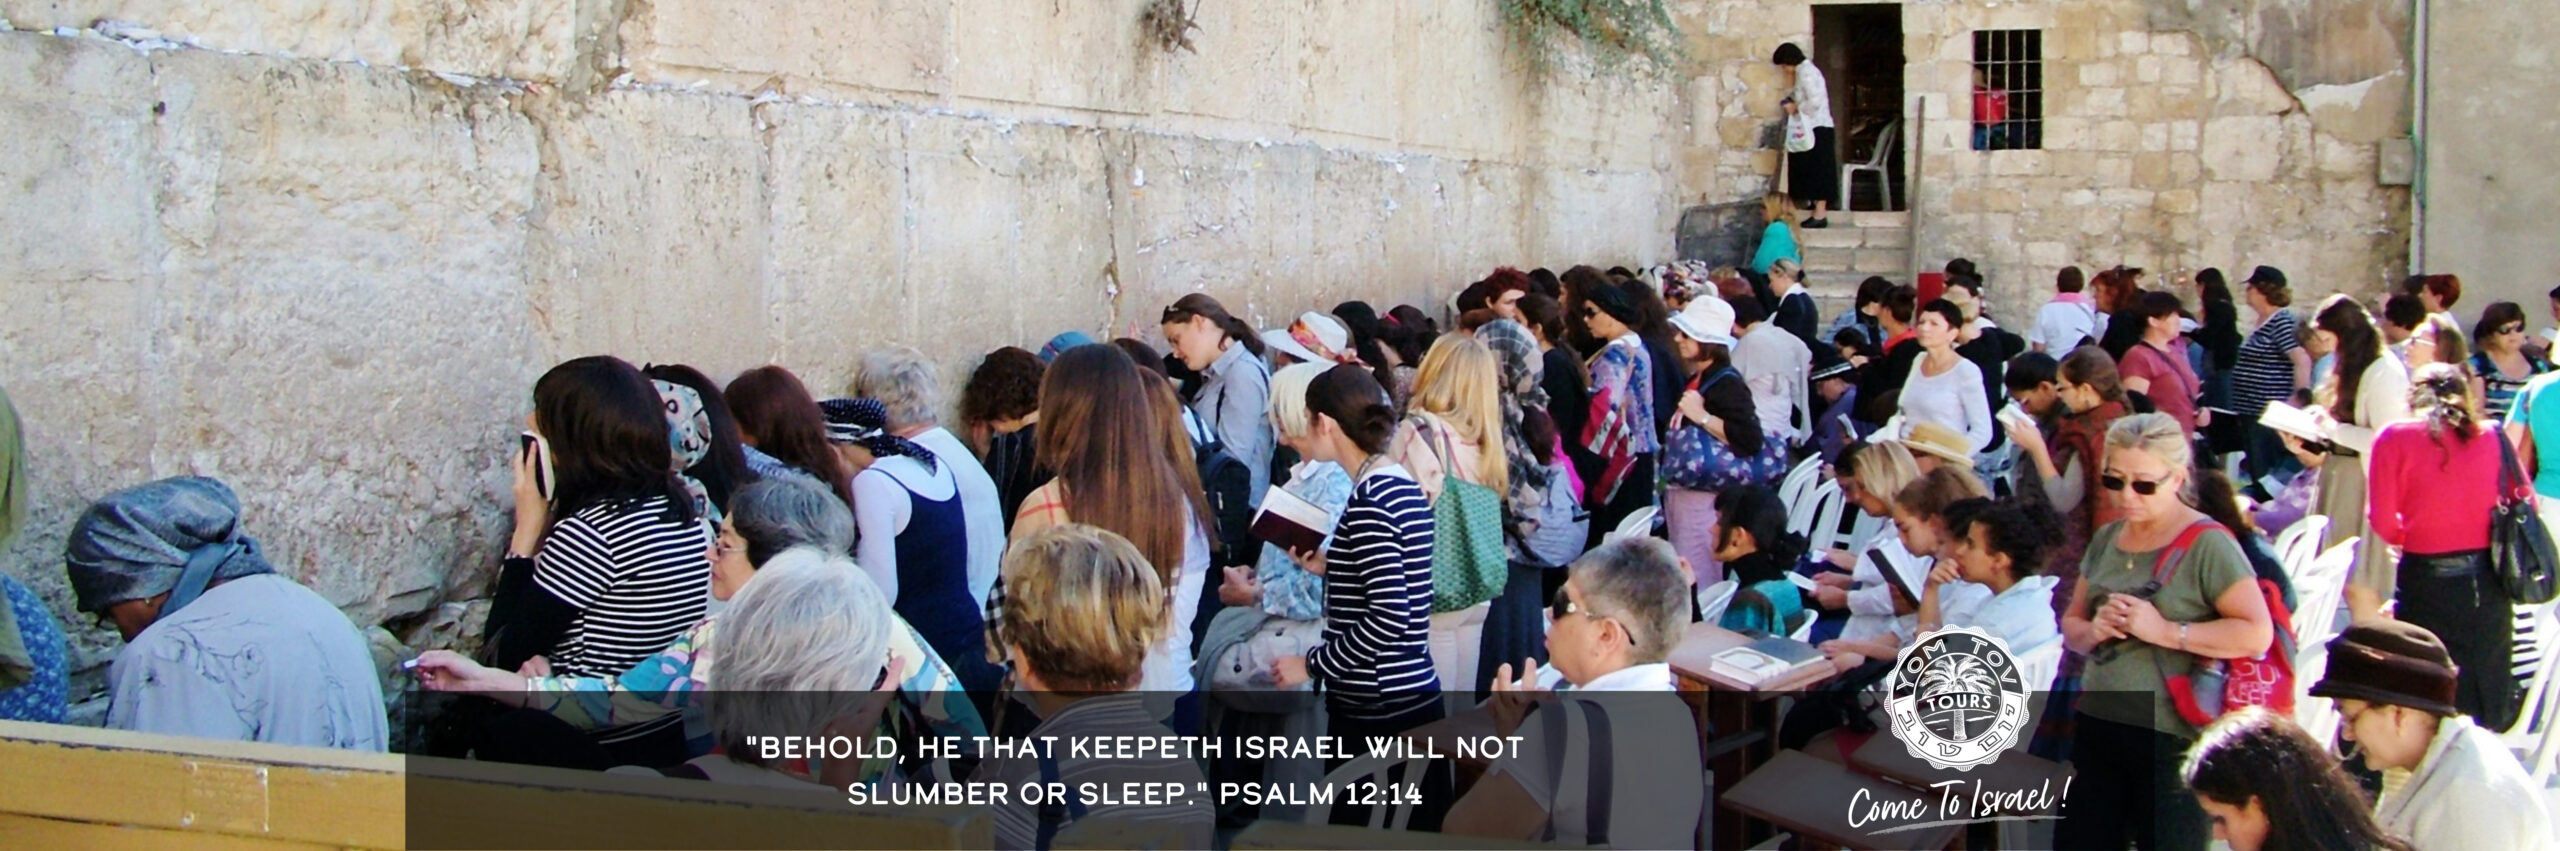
x: 2294, y: 421
x: 1766, y: 661
x: 1291, y: 522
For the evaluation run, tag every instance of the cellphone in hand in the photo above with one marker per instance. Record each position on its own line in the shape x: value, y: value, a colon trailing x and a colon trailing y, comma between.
x: 537, y: 453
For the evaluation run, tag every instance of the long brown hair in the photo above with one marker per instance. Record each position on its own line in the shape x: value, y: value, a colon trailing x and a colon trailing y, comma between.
x: 775, y: 410
x: 1205, y: 307
x: 2359, y: 346
x: 1114, y: 471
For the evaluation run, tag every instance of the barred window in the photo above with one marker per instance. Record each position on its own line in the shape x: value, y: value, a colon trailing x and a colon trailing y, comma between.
x: 2008, y: 90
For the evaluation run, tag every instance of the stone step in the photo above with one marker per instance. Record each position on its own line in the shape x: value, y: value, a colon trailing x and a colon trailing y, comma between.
x: 1819, y: 259
x: 1880, y: 219
x: 1857, y: 237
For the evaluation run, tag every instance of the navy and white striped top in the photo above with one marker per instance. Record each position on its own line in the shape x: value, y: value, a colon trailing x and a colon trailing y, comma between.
x: 637, y: 577
x: 1376, y: 659
x: 2264, y: 372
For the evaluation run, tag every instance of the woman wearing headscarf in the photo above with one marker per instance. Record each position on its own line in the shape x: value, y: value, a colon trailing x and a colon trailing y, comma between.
x: 689, y: 439
x: 913, y: 535
x: 1513, y: 629
x: 217, y: 645
x: 1620, y: 429
x: 720, y: 465
x: 35, y: 659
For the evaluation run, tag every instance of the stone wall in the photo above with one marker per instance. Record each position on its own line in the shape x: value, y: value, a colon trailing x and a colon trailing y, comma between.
x: 2179, y: 135
x: 2491, y: 199
x: 322, y: 249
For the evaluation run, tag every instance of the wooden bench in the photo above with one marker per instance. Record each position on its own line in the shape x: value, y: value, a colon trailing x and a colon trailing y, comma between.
x: 81, y: 787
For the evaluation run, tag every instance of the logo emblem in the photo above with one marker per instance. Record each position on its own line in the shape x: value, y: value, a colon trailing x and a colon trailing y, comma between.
x: 1957, y: 698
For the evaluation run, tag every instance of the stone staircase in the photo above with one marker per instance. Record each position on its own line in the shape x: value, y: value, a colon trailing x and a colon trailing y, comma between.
x: 1855, y: 246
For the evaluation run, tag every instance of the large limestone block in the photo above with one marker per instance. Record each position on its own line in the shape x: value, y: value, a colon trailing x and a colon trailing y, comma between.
x: 840, y: 219
x: 890, y: 45
x: 302, y: 278
x: 655, y: 223
x: 1088, y: 55
x: 2244, y: 148
x: 525, y: 39
x: 1252, y: 69
x: 1458, y: 86
x: 1349, y: 66
x: 1009, y: 238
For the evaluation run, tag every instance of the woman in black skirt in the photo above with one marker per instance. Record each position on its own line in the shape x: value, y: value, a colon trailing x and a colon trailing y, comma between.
x: 1813, y: 175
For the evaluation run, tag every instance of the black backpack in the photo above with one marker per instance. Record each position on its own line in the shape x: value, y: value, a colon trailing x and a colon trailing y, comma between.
x: 1229, y: 485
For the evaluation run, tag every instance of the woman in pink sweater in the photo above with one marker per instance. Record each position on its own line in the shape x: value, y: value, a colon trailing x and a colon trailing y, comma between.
x: 2433, y: 484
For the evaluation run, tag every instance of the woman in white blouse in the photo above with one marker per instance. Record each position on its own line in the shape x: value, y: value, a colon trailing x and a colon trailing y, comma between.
x: 1944, y: 387
x: 1813, y: 174
x: 2370, y: 390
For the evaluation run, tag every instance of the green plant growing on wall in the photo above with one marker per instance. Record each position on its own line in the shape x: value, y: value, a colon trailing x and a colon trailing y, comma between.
x: 1612, y: 33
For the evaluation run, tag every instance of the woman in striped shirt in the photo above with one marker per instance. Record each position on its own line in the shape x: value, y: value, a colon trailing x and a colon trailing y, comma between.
x: 619, y: 576
x: 1375, y: 664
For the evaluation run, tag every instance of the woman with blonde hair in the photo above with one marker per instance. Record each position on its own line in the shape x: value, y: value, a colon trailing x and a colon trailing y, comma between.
x: 1778, y: 240
x: 1079, y: 654
x: 1277, y: 583
x: 1871, y: 476
x: 1453, y: 430
x: 2160, y: 592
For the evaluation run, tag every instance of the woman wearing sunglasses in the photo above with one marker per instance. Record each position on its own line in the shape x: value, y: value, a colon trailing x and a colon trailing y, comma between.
x: 2159, y: 591
x: 2501, y: 366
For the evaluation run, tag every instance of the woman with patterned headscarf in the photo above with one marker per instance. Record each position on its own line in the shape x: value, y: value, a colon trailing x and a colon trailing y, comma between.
x: 914, y: 540
x: 217, y: 645
x: 1513, y: 629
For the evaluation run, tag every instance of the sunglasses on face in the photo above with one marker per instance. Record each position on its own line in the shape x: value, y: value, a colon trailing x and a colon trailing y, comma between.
x: 2511, y: 329
x: 2114, y: 482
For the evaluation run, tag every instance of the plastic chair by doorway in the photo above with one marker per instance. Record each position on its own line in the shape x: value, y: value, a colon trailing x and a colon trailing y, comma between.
x: 1880, y: 162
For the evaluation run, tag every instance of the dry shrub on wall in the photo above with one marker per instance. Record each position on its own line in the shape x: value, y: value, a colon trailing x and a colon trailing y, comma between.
x: 1610, y: 33
x: 1169, y: 23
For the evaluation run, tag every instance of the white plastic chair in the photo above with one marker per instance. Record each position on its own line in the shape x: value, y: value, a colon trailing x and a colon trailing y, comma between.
x: 1370, y: 769
x: 2319, y: 589
x: 2038, y: 665
x: 1820, y: 522
x: 1804, y: 631
x: 2299, y: 543
x: 1799, y: 483
x: 2535, y: 736
x: 1800, y: 511
x: 1879, y: 162
x: 1637, y: 525
x: 1714, y: 599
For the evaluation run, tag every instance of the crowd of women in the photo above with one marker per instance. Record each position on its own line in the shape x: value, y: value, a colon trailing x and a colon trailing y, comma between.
x: 1083, y: 535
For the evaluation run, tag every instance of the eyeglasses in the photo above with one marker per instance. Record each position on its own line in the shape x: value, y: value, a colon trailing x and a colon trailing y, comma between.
x: 1564, y: 605
x: 2517, y: 328
x: 2114, y: 482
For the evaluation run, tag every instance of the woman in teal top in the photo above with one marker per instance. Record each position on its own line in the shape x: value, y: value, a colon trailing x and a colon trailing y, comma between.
x: 1778, y: 240
x: 2534, y: 428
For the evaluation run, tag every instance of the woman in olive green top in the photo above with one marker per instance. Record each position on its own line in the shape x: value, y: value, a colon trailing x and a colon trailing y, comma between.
x: 2129, y: 739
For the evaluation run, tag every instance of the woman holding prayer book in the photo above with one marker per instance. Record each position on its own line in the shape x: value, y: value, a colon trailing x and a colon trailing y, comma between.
x: 1277, y: 583
x: 2366, y: 392
x: 1919, y: 515
x: 1375, y: 664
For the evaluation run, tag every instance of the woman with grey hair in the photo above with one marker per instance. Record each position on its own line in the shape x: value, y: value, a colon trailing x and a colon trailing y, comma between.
x: 808, y: 651
x: 909, y: 388
x: 765, y: 520
x: 217, y: 644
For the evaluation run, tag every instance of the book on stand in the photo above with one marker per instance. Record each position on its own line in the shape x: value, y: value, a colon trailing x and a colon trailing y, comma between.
x: 1766, y: 661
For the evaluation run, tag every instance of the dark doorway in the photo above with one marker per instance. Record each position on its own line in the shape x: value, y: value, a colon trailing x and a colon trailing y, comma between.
x: 1859, y: 48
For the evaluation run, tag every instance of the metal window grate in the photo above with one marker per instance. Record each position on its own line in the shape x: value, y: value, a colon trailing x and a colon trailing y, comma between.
x: 2008, y: 85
